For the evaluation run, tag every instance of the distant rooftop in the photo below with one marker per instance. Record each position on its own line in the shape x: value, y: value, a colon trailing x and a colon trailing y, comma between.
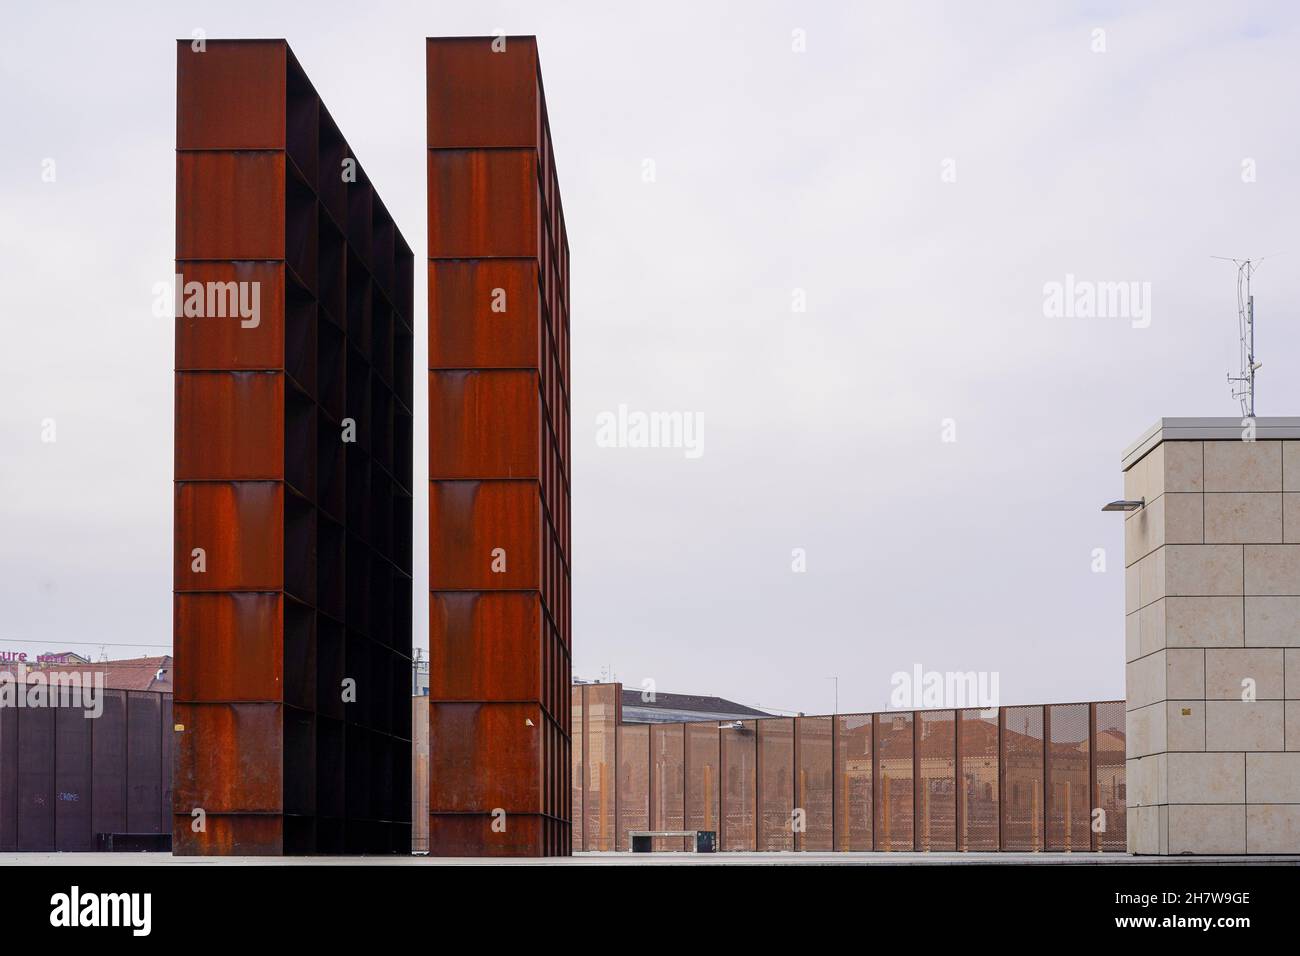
x: 671, y: 708
x: 134, y: 673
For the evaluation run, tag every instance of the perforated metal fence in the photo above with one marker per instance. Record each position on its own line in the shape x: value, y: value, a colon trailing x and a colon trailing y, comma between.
x: 1040, y: 778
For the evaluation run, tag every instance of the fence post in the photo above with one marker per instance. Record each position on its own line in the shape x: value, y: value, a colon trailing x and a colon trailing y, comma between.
x: 1002, y: 778
x: 1047, y: 756
x: 959, y: 782
x: 1094, y: 798
x: 918, y: 791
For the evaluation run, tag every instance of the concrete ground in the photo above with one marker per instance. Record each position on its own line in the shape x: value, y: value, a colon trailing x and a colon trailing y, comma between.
x: 655, y: 859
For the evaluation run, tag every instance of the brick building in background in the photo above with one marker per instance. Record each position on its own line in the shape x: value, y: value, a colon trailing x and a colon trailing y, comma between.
x: 499, y: 545
x: 293, y: 472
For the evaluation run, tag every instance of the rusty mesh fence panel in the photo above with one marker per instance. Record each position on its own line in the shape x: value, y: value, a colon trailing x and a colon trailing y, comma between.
x: 935, y: 780
x: 667, y: 783
x: 599, y: 795
x: 977, y: 793
x: 579, y: 768
x: 936, y: 767
x: 420, y: 774
x: 1022, y: 775
x: 854, y: 782
x: 1109, y: 775
x: 739, y: 780
x: 633, y: 782
x: 775, y: 783
x: 893, y: 751
x: 1068, y: 757
x: 814, y: 783
x: 703, y: 788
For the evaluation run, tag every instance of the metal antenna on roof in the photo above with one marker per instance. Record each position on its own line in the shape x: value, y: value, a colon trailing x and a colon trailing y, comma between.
x: 1243, y: 384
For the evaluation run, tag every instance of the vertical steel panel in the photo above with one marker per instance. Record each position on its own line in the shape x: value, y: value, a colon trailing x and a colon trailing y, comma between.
x: 668, y: 783
x: 1022, y: 778
x: 578, y: 781
x: 465, y: 408
x: 168, y: 752
x: 464, y: 332
x: 739, y: 758
x: 776, y: 783
x: 599, y: 796
x: 8, y: 779
x: 978, y: 789
x: 633, y: 782
x: 226, y: 429
x: 1109, y: 750
x: 232, y: 643
x: 229, y: 758
x: 420, y: 774
x: 144, y: 762
x: 465, y: 663
x: 240, y: 527
x: 250, y: 77
x: 854, y: 782
x: 460, y: 733
x: 230, y: 205
x: 1068, y: 792
x: 72, y: 780
x: 895, y: 789
x: 703, y: 789
x: 202, y: 343
x: 936, y: 809
x: 481, y: 95
x: 483, y: 203
x: 36, y: 778
x: 814, y: 781
x: 108, y: 756
x: 469, y: 520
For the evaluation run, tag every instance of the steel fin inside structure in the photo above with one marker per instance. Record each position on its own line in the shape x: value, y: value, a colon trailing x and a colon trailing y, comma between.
x: 499, y: 544
x: 293, y: 472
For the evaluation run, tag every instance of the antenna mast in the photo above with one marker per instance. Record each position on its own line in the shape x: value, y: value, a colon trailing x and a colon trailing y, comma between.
x: 1243, y: 384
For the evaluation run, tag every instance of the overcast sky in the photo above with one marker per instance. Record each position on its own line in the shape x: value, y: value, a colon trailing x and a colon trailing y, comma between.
x: 920, y: 171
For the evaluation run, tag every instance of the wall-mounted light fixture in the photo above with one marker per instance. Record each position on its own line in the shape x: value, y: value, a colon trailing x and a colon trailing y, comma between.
x: 1124, y: 505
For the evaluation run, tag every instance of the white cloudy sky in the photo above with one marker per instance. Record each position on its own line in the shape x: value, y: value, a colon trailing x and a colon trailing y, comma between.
x: 775, y: 170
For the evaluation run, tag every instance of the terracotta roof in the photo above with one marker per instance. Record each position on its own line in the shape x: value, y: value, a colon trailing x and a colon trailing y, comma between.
x: 135, y: 673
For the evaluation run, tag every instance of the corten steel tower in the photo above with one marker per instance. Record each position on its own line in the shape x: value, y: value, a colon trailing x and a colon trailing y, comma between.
x: 499, y: 623
x: 292, y: 543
